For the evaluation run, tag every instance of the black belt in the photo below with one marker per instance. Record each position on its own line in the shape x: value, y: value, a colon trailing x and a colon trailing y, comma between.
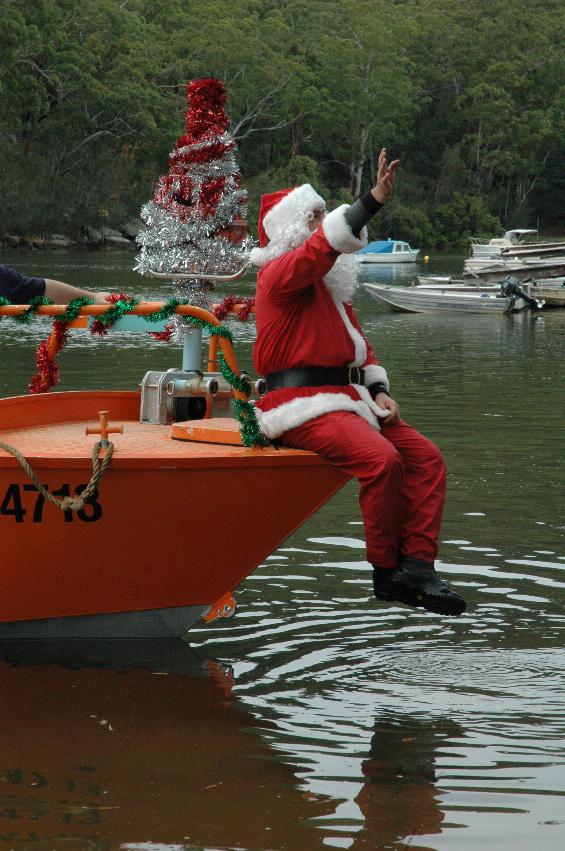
x: 315, y: 376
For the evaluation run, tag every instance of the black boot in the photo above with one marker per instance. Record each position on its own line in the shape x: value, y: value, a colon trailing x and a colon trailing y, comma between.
x: 416, y: 583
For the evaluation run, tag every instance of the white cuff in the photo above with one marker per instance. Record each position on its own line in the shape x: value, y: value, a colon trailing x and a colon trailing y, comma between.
x: 373, y: 373
x: 339, y: 234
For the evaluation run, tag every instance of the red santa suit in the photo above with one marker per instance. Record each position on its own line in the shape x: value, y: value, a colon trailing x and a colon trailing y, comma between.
x: 305, y: 319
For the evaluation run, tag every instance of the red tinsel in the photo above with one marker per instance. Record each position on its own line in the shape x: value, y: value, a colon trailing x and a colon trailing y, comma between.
x: 213, y: 151
x: 163, y: 336
x: 97, y: 328
x: 48, y: 372
x: 226, y: 307
x: 205, y: 117
x: 210, y: 194
x: 205, y: 122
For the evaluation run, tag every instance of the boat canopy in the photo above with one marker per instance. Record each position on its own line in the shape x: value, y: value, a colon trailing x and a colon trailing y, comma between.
x: 514, y: 235
x: 510, y: 237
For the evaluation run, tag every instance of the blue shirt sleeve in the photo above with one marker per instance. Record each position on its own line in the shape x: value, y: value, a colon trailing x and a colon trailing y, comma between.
x: 20, y: 289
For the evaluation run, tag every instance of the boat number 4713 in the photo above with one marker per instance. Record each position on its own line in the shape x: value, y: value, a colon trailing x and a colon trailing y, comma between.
x: 19, y: 504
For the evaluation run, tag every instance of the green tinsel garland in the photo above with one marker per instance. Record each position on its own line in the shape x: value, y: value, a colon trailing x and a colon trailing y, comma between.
x: 244, y: 410
x: 34, y: 304
x: 73, y: 309
x: 70, y: 314
x: 116, y: 311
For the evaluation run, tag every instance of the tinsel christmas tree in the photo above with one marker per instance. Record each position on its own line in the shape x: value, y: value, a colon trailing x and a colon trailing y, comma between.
x: 196, y: 221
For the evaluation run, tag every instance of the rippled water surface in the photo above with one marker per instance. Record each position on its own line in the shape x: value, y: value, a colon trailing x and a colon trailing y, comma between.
x: 318, y: 718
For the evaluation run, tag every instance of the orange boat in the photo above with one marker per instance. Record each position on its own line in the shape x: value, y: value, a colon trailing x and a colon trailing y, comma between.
x: 182, y: 515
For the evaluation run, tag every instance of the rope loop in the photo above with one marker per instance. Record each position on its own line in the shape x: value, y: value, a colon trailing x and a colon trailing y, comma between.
x: 69, y: 503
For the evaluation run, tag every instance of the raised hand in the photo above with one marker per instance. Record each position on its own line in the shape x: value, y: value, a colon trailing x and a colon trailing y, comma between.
x: 386, y: 176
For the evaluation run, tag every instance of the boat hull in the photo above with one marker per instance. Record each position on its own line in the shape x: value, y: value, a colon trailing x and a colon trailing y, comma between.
x: 404, y: 257
x: 175, y: 527
x: 423, y: 300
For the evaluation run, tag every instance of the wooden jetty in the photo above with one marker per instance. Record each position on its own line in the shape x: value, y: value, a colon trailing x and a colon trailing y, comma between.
x: 553, y: 296
x: 531, y: 271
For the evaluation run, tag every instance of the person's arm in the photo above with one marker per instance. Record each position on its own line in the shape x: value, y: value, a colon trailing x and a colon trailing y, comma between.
x: 376, y: 379
x: 296, y: 270
x: 285, y: 276
x: 61, y: 293
x: 363, y: 210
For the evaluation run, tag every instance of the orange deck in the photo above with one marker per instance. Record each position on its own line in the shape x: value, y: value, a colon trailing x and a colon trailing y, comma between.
x: 58, y: 432
x: 176, y: 523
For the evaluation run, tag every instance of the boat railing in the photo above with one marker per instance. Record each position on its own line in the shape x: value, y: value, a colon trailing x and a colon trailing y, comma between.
x: 145, y: 308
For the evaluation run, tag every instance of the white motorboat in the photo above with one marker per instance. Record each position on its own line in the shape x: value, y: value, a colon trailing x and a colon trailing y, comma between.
x: 387, y: 251
x: 513, y: 244
x: 534, y: 265
x: 451, y: 298
x: 510, y: 253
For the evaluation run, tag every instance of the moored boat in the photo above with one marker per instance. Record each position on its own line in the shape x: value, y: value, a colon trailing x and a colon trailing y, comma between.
x: 513, y: 245
x: 387, y: 251
x: 449, y: 297
x: 182, y: 515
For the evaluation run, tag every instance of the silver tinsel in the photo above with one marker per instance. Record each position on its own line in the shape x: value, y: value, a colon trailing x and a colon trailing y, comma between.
x: 171, y: 246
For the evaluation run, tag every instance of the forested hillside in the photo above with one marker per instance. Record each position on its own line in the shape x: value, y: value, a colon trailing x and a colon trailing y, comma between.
x: 470, y: 96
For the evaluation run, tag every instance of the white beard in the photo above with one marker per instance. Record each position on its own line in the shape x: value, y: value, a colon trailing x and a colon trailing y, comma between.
x: 290, y: 238
x: 341, y: 280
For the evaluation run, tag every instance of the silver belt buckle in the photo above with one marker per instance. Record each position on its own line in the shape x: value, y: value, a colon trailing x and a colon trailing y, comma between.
x: 350, y: 375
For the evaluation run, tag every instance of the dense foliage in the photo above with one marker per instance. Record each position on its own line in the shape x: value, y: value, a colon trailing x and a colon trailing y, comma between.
x: 469, y: 95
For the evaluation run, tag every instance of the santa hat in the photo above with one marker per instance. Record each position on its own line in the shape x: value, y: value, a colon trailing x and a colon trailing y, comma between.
x: 283, y: 208
x: 281, y: 213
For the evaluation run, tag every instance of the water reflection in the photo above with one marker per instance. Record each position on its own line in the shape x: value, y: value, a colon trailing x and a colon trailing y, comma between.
x: 397, y: 274
x: 399, y: 799
x: 112, y: 743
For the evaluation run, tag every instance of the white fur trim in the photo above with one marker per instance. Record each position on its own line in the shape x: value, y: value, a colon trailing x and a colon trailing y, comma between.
x: 367, y: 398
x: 339, y: 234
x: 358, y: 341
x: 259, y: 256
x: 343, y: 278
x: 374, y: 372
x: 300, y: 410
x: 297, y: 204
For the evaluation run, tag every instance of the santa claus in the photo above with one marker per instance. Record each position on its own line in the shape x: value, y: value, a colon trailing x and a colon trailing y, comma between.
x: 328, y: 393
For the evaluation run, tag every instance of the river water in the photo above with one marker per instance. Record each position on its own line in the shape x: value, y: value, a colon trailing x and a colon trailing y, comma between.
x: 318, y: 718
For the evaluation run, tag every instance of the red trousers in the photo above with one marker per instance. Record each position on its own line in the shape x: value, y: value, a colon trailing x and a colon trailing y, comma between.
x: 402, y: 479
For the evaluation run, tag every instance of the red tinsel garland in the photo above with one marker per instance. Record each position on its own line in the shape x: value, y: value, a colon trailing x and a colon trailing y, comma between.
x: 205, y: 117
x: 48, y: 372
x: 98, y: 328
x: 163, y: 336
x: 213, y: 151
x: 226, y: 306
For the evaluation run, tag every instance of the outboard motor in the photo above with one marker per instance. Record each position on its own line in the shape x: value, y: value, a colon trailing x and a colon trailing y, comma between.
x: 511, y: 287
